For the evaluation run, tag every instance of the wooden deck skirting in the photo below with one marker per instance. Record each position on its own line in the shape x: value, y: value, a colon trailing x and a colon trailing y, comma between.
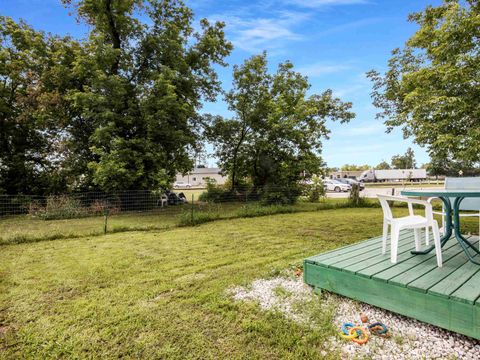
x: 448, y: 297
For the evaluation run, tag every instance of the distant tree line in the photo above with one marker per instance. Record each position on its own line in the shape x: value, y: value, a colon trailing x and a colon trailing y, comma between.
x: 405, y: 161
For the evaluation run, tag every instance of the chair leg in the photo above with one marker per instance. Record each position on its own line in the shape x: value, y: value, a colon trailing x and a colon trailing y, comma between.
x: 443, y: 219
x: 384, y: 237
x: 427, y: 236
x: 395, y: 234
x: 438, y: 246
x: 416, y: 233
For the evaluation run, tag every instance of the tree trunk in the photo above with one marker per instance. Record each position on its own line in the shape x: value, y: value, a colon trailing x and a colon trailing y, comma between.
x: 235, y: 157
x: 116, y: 42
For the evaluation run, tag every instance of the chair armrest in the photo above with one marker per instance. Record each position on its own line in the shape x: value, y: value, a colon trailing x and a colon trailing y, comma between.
x: 404, y: 199
x: 410, y: 201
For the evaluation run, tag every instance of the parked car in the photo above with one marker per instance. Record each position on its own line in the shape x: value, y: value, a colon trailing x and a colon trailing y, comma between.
x: 181, y: 185
x: 337, y: 186
x: 352, y: 182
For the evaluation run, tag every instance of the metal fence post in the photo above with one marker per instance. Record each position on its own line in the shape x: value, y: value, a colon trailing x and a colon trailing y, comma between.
x: 192, y: 208
x: 105, y: 213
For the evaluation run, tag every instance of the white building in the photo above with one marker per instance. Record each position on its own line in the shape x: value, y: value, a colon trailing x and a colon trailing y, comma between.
x: 199, y: 176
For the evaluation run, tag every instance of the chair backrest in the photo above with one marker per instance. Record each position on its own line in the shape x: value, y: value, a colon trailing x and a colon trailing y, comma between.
x: 387, y: 211
x: 465, y: 183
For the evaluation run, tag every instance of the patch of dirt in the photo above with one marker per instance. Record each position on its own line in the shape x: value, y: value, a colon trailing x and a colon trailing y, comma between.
x: 3, y: 330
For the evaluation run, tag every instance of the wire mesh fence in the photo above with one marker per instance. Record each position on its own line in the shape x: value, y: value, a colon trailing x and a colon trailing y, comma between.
x: 25, y: 218
x: 30, y: 218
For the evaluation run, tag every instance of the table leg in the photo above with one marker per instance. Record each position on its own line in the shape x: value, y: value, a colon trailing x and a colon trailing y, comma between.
x: 464, y: 243
x: 448, y: 227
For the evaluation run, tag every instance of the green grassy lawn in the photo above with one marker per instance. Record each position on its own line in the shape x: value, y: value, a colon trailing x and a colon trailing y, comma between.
x: 163, y: 294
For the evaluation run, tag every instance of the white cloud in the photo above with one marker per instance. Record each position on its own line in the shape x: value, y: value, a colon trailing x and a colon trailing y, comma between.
x: 320, y: 69
x: 254, y: 34
x: 322, y: 3
x: 363, y: 130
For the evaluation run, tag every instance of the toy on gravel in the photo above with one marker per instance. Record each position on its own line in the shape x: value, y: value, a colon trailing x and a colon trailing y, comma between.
x: 359, y: 334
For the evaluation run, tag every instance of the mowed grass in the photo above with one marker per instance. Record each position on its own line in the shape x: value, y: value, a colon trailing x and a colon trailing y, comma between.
x: 164, y: 294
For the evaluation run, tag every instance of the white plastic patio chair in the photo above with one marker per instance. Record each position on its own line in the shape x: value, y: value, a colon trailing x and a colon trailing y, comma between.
x: 163, y: 201
x: 468, y: 204
x: 412, y: 221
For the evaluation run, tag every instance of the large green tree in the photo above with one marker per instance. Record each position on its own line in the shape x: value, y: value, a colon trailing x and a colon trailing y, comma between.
x: 35, y: 77
x: 144, y: 83
x: 277, y: 129
x: 443, y: 166
x: 405, y: 161
x: 383, y: 165
x: 432, y: 88
x: 116, y: 111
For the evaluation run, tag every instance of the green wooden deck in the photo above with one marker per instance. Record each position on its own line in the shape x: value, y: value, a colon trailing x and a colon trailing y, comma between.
x: 448, y: 297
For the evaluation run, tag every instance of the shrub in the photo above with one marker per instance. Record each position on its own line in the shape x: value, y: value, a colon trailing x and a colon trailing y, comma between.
x: 315, y: 190
x: 273, y: 194
x: 216, y: 193
x: 58, y: 207
x: 354, y: 199
x: 98, y: 207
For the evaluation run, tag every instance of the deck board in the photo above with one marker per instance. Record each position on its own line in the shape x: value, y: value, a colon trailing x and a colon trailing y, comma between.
x: 405, y: 245
x: 456, y: 280
x: 424, y: 267
x: 409, y: 262
x: 469, y: 291
x: 448, y: 297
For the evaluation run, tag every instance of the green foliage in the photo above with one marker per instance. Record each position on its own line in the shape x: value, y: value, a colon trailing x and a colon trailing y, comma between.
x: 147, y: 90
x: 276, y: 132
x: 281, y: 194
x: 315, y: 190
x: 431, y: 87
x: 58, y: 207
x: 383, y: 166
x: 116, y: 111
x: 216, y: 193
x: 354, y: 198
x: 353, y: 167
x: 36, y: 75
x: 406, y: 161
x: 439, y: 165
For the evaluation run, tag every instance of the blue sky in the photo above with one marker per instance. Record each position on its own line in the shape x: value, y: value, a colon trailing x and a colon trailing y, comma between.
x: 334, y: 42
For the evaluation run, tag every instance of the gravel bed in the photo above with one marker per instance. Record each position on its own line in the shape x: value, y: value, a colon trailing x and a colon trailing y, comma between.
x: 410, y: 338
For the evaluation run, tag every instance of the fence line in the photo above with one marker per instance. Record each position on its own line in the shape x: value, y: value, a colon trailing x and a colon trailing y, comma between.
x: 30, y: 218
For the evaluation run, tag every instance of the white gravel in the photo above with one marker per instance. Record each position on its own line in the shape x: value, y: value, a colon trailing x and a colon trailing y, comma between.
x: 410, y: 338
